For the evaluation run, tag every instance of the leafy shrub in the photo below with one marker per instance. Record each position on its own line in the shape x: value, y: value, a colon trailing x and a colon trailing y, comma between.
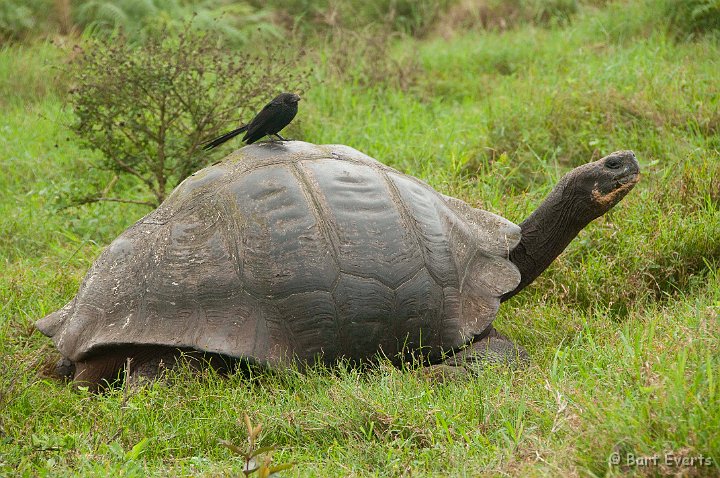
x: 505, y: 14
x: 413, y: 17
x: 365, y: 57
x: 148, y: 110
x: 18, y: 18
x: 693, y: 17
x: 236, y: 22
x: 29, y: 73
x: 549, y: 12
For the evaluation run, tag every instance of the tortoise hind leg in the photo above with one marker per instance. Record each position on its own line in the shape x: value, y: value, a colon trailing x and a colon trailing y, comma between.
x: 146, y: 364
x: 65, y: 369
x: 98, y: 372
x: 107, y: 367
x: 147, y: 367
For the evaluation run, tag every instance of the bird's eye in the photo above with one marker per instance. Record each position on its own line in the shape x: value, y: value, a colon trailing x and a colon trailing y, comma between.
x: 613, y: 163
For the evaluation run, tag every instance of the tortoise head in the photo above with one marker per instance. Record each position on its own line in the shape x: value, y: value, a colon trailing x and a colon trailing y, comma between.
x: 585, y: 193
x: 594, y: 188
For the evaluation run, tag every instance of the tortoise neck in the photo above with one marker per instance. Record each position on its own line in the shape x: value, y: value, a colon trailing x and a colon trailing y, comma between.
x: 545, y: 234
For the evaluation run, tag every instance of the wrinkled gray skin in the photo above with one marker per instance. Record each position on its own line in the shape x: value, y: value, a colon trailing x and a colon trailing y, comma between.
x: 297, y: 253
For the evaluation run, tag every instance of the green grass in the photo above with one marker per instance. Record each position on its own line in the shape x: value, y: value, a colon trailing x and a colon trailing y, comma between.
x: 623, y: 329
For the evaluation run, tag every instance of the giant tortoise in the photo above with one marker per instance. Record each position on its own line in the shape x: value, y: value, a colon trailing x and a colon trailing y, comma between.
x: 294, y: 253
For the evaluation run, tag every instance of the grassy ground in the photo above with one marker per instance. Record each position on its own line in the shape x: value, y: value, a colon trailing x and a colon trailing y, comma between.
x: 622, y: 330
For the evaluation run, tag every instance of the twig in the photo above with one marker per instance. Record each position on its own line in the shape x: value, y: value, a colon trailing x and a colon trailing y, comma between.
x: 110, y: 185
x: 129, y: 201
x: 132, y: 171
x: 126, y: 397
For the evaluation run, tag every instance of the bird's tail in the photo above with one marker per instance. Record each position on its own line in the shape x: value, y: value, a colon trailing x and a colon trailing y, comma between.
x: 221, y: 139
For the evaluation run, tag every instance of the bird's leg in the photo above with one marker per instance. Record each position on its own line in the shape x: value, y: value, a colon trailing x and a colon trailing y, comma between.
x: 281, y: 138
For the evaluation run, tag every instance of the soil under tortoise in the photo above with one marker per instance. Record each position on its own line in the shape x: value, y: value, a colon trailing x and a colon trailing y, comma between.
x: 297, y: 253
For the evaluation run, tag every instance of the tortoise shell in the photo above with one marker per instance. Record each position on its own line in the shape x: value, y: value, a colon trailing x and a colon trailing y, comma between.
x: 293, y: 251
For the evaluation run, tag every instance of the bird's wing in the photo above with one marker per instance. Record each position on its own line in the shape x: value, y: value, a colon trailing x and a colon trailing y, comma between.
x: 260, y: 121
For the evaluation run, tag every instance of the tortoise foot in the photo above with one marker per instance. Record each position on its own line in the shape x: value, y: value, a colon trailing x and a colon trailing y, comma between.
x: 442, y: 373
x: 493, y: 349
x: 65, y: 369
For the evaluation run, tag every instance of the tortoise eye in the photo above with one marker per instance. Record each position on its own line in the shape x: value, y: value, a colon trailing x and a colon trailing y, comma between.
x: 613, y: 163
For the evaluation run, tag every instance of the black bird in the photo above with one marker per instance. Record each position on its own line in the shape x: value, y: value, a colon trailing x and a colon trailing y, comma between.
x: 272, y: 118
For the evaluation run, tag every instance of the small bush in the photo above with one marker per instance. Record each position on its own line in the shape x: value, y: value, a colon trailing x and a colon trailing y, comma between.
x: 365, y: 57
x: 412, y: 17
x: 148, y: 110
x: 18, y: 18
x: 236, y: 22
x: 28, y: 74
x: 693, y: 17
x: 504, y: 14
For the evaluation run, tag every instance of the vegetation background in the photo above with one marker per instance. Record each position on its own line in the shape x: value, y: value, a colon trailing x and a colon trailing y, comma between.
x: 487, y: 100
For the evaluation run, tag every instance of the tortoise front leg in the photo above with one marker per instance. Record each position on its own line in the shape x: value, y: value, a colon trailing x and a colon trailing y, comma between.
x: 491, y: 348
